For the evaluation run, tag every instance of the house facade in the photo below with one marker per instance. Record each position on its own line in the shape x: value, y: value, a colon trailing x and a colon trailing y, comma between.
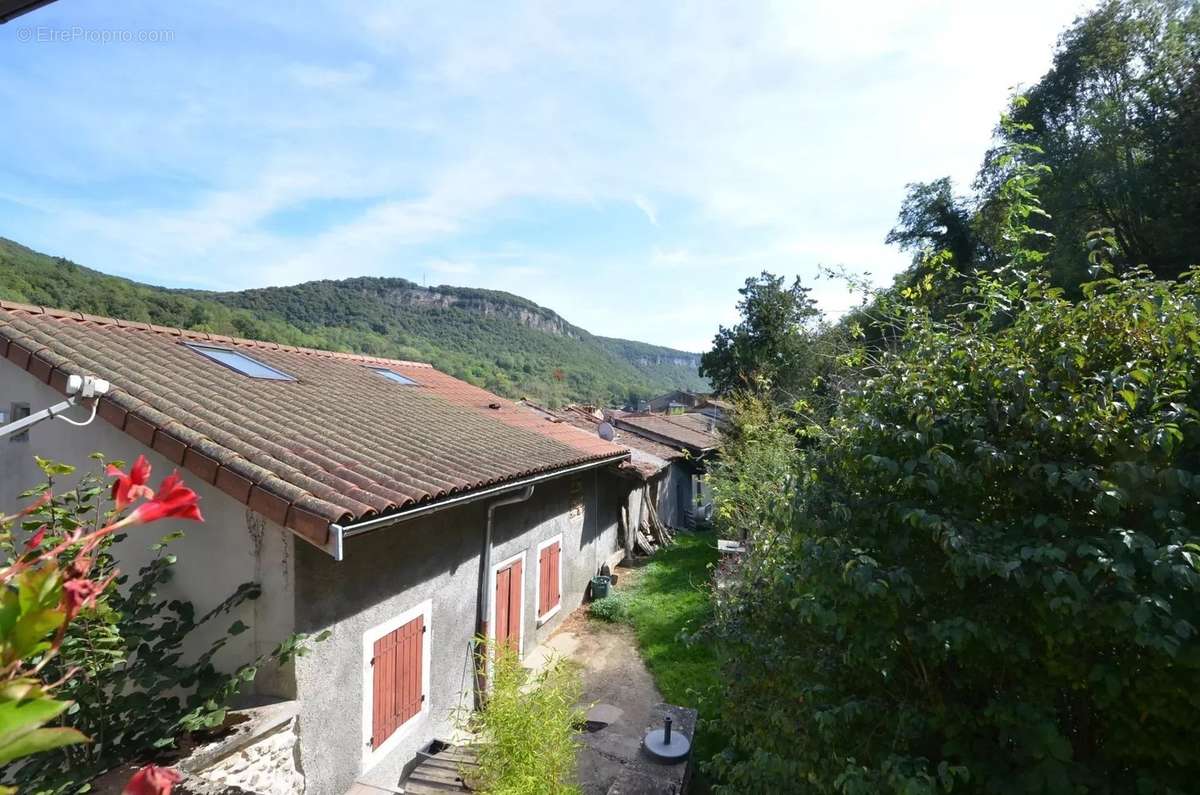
x: 393, y: 506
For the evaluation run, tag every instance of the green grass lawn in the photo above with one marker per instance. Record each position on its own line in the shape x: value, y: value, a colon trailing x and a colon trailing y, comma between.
x: 668, y: 599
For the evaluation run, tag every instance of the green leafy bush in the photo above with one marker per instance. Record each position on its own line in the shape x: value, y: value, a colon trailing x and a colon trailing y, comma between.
x: 527, y: 728
x: 991, y: 583
x: 610, y: 608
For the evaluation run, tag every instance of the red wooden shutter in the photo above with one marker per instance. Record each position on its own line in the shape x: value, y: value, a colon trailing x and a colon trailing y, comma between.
x: 555, y: 568
x: 397, y: 678
x: 544, y: 581
x: 501, y: 604
x: 548, y: 585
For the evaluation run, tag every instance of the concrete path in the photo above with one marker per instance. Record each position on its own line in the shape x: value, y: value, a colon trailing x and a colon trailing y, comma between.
x: 616, y: 679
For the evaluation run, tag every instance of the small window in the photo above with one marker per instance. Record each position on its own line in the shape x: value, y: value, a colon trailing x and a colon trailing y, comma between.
x: 395, y: 681
x: 392, y: 374
x: 19, y: 412
x: 236, y: 360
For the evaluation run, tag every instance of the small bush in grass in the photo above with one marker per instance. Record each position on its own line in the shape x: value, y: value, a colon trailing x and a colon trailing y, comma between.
x: 527, y: 728
x: 610, y: 608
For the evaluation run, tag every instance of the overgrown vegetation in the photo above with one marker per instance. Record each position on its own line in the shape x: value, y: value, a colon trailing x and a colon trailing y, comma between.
x: 979, y: 572
x: 496, y: 340
x: 528, y: 727
x: 120, y: 666
x: 1115, y: 122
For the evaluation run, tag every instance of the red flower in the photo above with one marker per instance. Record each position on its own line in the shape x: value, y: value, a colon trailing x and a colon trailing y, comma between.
x: 43, y: 500
x: 79, y: 593
x: 79, y: 567
x: 152, y: 780
x: 35, y: 540
x: 173, y: 501
x: 128, y: 489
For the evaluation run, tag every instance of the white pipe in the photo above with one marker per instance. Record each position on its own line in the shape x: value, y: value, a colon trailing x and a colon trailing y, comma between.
x: 485, y: 592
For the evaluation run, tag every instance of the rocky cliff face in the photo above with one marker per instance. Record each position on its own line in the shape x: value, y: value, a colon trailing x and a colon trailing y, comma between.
x: 691, y: 361
x: 422, y: 298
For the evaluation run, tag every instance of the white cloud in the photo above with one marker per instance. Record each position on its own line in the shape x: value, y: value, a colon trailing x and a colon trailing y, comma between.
x: 479, y: 142
x: 647, y: 208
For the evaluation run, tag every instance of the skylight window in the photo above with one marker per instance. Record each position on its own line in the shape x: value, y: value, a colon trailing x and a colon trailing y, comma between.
x: 236, y: 360
x: 392, y: 374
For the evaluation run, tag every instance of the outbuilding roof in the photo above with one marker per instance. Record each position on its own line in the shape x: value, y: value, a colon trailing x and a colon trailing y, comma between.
x: 696, y: 433
x: 647, y: 457
x: 337, y: 441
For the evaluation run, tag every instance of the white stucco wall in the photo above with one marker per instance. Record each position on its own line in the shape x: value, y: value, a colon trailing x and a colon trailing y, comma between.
x: 232, y: 546
x: 436, y: 559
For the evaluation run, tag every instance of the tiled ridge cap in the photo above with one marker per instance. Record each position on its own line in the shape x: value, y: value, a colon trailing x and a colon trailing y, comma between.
x: 201, y: 336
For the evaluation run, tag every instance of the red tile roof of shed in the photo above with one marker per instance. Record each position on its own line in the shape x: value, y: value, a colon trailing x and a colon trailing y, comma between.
x: 338, y: 444
x: 694, y: 432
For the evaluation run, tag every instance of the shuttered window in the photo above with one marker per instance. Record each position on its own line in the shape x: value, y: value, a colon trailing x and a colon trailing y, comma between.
x: 549, y: 596
x: 397, y: 679
x: 509, y: 607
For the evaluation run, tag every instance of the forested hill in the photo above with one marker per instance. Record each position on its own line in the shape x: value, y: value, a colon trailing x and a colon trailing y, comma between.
x: 494, y: 339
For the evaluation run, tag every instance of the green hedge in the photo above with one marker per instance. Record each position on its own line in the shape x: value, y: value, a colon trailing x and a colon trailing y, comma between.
x: 991, y: 584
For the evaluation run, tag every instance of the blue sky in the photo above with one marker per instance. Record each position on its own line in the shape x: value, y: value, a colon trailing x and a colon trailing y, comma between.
x: 628, y: 169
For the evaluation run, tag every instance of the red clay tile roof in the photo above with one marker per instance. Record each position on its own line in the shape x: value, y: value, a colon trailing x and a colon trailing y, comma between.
x: 338, y: 444
x: 657, y: 456
x: 690, y: 431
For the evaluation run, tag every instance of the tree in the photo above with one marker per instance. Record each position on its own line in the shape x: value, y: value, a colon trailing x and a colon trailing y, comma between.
x: 985, y: 577
x: 772, y: 346
x: 1115, y: 119
x: 934, y: 218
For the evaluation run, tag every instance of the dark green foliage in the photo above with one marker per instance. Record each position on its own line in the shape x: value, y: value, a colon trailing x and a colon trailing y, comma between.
x: 933, y: 217
x: 772, y: 347
x: 991, y: 583
x: 496, y: 340
x: 1115, y: 124
x: 982, y: 574
x: 1116, y: 120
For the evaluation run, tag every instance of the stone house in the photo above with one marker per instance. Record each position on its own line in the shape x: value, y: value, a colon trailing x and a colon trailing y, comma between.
x: 399, y: 508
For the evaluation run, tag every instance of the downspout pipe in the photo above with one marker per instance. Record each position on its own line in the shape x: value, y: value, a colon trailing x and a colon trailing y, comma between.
x: 485, y: 578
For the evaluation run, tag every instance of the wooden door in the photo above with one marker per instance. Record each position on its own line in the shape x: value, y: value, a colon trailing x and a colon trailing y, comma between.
x: 509, y: 606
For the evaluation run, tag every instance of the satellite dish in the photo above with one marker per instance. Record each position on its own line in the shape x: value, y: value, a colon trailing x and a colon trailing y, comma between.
x: 606, y: 431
